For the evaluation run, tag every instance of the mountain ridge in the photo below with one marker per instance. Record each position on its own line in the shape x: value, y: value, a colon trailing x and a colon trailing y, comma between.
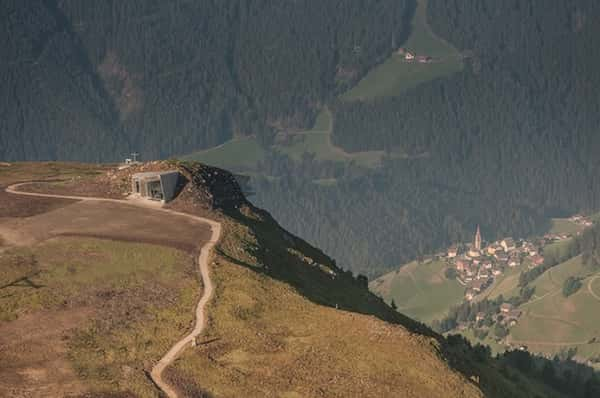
x: 273, y: 293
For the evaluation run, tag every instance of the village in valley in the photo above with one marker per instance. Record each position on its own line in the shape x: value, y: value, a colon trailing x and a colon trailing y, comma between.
x: 485, y: 290
x: 476, y: 265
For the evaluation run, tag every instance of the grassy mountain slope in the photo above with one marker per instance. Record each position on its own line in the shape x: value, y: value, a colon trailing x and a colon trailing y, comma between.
x: 87, y: 302
x: 96, y: 312
x: 419, y: 290
x: 283, y: 322
x: 274, y: 327
x: 553, y: 322
x: 274, y: 340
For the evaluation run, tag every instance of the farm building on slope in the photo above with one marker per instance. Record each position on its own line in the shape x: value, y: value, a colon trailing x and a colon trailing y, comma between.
x: 156, y: 185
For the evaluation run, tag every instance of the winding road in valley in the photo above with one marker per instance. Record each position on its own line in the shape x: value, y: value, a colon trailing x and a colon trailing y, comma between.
x: 203, y: 259
x: 590, y: 289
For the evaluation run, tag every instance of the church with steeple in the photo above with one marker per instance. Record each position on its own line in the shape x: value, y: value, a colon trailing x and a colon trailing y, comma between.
x: 477, y: 243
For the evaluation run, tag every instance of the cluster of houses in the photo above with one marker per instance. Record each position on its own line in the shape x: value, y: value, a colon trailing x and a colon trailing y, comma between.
x: 410, y: 56
x: 508, y: 316
x: 477, y: 266
x: 578, y: 219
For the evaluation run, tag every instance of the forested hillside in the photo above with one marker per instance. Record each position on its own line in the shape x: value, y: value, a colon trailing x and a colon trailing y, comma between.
x: 505, y: 143
x: 94, y: 81
x: 53, y: 104
x: 373, y: 220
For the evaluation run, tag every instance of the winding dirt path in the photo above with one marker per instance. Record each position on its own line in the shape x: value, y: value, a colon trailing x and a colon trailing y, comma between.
x: 555, y: 319
x: 535, y: 300
x: 549, y: 343
x: 203, y: 260
x: 590, y: 289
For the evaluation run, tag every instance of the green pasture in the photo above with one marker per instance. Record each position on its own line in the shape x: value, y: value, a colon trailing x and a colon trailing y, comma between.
x: 396, y: 75
x: 238, y: 154
x: 420, y: 291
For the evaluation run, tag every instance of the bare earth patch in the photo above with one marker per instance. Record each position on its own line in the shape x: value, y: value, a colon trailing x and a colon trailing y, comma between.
x: 109, y: 221
x: 91, y: 188
x: 14, y: 206
x: 33, y: 351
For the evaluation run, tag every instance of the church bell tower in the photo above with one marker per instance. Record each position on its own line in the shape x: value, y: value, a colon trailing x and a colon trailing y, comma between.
x: 477, y: 242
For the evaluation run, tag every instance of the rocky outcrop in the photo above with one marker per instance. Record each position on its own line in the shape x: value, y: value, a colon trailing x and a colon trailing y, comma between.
x: 213, y: 187
x: 202, y: 187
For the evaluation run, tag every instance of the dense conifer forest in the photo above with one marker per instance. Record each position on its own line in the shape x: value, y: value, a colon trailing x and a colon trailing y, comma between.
x: 96, y: 80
